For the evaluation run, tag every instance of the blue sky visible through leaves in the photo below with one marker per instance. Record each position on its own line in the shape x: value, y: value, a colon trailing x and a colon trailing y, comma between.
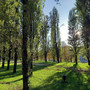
x: 63, y: 9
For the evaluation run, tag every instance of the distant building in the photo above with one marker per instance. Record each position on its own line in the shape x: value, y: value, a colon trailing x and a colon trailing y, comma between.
x: 83, y: 60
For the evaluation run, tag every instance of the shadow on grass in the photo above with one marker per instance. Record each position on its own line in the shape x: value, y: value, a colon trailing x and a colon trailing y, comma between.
x: 9, y: 73
x: 11, y: 68
x: 5, y: 74
x: 16, y: 80
x: 39, y: 67
x: 75, y: 81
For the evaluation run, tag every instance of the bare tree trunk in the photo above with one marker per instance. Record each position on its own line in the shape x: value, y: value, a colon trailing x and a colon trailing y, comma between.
x: 9, y: 55
x: 88, y: 62
x: 3, y: 59
x: 53, y: 59
x: 0, y: 57
x: 76, y: 58
x: 75, y: 54
x: 57, y: 53
x: 15, y: 55
x: 45, y: 55
x: 88, y: 53
x: 37, y: 57
x: 60, y: 59
x: 15, y: 61
x: 31, y: 65
x: 88, y: 57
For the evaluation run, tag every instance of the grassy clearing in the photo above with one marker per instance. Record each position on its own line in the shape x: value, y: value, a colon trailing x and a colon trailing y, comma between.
x: 48, y: 77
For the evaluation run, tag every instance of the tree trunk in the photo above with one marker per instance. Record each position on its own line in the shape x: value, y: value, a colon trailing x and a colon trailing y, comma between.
x: 0, y: 59
x: 75, y: 49
x: 71, y: 59
x: 45, y: 55
x: 88, y: 53
x: 53, y: 59
x: 76, y: 58
x: 88, y: 57
x: 31, y: 68
x: 60, y: 59
x: 15, y: 61
x: 24, y: 48
x: 57, y: 52
x: 31, y: 65
x: 0, y: 56
x: 37, y: 57
x: 9, y: 55
x: 15, y: 55
x: 3, y: 59
x: 89, y: 62
x: 57, y: 56
x: 31, y: 48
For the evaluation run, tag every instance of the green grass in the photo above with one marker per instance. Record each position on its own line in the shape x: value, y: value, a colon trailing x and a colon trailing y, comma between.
x: 48, y: 77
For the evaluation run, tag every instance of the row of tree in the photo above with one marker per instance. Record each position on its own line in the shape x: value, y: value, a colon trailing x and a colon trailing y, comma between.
x: 22, y: 27
x: 9, y: 30
x: 51, y: 43
x: 32, y: 22
x: 79, y: 28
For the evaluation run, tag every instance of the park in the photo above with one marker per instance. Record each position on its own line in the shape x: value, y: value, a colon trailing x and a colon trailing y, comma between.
x: 48, y: 76
x: 44, y: 45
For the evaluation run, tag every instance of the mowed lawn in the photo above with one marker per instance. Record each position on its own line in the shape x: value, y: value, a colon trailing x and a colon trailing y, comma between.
x: 48, y: 77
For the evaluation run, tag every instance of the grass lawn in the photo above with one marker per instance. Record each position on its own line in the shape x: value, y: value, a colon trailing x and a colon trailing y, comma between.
x: 48, y: 77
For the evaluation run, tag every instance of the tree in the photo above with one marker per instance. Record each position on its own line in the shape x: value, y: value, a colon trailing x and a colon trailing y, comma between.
x: 3, y: 28
x: 34, y: 25
x: 55, y: 38
x: 44, y: 39
x: 31, y: 24
x: 10, y: 26
x: 65, y: 53
x: 73, y: 38
x: 16, y: 34
x: 83, y: 12
x: 24, y: 46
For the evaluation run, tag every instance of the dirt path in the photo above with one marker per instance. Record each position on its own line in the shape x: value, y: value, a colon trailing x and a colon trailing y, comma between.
x: 38, y: 64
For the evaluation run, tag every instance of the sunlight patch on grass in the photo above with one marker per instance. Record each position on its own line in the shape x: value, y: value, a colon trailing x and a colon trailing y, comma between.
x: 48, y: 77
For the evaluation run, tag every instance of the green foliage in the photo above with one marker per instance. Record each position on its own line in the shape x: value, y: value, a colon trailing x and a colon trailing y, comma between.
x: 8, y: 21
x: 73, y: 39
x: 83, y: 12
x: 55, y: 34
x: 44, y: 37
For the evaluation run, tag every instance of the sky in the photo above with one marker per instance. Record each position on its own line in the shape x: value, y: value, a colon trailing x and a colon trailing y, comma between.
x: 63, y: 9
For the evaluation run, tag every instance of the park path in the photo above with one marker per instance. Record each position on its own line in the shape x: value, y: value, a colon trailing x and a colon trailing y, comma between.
x: 19, y: 62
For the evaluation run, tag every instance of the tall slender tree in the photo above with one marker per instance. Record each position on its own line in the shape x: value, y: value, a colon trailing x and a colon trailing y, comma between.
x: 44, y: 37
x: 73, y: 40
x: 11, y: 25
x: 83, y: 12
x: 55, y: 38
x: 34, y: 16
x: 3, y: 31
x: 16, y: 34
x: 24, y: 46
